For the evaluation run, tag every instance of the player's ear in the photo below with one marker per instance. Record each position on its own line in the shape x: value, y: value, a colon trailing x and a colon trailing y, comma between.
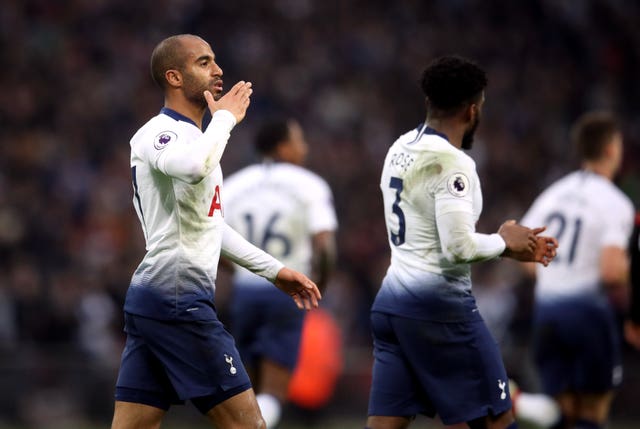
x: 174, y: 78
x: 470, y: 112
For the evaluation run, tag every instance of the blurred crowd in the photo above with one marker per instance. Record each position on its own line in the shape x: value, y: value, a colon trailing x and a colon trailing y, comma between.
x: 76, y: 85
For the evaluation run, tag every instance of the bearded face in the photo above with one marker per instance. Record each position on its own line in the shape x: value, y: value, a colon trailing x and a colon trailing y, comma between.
x: 467, y: 138
x: 194, y: 87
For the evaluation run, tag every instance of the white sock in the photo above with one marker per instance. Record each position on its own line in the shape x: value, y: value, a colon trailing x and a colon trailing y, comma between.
x: 537, y: 408
x: 270, y: 409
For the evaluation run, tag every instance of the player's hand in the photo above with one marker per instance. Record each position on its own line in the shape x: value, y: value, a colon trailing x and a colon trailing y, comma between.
x: 304, y: 292
x: 518, y: 238
x: 546, y: 248
x: 236, y: 101
x: 543, y: 250
x: 632, y: 333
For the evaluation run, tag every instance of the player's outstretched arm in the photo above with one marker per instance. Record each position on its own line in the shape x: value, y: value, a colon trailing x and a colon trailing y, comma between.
x: 304, y: 292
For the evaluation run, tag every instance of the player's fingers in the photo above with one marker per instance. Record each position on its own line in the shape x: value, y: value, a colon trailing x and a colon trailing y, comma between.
x: 314, y: 298
x: 244, y: 90
x: 538, y: 230
x: 298, y: 301
x: 311, y: 287
x: 307, y: 302
x: 237, y: 87
x: 245, y: 94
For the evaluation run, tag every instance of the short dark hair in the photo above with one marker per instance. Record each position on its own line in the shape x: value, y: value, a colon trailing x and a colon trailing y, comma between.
x: 271, y: 134
x: 451, y: 81
x: 167, y: 55
x: 592, y: 132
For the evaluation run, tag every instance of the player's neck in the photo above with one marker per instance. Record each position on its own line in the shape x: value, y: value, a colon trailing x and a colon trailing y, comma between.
x: 450, y: 128
x: 599, y: 168
x: 186, y: 108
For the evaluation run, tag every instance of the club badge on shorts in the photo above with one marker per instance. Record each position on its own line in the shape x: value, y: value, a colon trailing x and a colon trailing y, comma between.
x: 229, y: 360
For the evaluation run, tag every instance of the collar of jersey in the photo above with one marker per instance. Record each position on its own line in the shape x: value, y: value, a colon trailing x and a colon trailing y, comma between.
x: 425, y: 129
x: 175, y: 115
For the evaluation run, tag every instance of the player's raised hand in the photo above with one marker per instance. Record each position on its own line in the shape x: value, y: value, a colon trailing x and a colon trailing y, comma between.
x: 236, y: 101
x: 304, y: 292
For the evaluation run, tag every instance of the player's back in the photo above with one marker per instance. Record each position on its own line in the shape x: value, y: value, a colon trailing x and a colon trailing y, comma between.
x: 278, y: 207
x: 415, y: 178
x: 585, y: 212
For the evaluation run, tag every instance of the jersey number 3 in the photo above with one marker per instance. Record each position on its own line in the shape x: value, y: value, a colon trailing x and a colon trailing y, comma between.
x: 397, y: 239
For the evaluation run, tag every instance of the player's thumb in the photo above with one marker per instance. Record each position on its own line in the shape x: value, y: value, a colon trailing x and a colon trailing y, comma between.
x: 210, y: 100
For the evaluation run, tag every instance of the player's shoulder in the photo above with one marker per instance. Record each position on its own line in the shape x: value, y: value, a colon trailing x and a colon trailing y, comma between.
x: 160, y: 131
x: 602, y: 194
x: 243, y: 178
x: 281, y: 174
x: 298, y: 180
x: 616, y: 201
x: 298, y: 172
x: 609, y: 196
x: 430, y: 143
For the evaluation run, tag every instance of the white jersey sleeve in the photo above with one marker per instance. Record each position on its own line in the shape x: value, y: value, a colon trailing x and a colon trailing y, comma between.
x: 456, y: 221
x: 245, y: 254
x: 191, y: 160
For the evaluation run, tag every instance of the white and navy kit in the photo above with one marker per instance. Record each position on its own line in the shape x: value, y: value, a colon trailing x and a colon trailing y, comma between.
x: 278, y: 207
x: 433, y: 352
x: 576, y: 342
x: 176, y: 347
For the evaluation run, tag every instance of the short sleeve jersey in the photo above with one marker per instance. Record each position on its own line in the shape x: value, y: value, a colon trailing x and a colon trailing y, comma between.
x: 585, y: 212
x: 278, y: 207
x: 182, y: 225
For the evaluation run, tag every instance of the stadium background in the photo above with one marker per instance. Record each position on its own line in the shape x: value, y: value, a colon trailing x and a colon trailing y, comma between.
x: 75, y: 86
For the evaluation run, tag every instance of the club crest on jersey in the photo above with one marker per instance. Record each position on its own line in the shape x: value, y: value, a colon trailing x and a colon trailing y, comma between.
x: 163, y: 139
x: 458, y: 185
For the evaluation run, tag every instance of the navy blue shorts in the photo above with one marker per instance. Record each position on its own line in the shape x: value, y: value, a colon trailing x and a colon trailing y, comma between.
x: 168, y: 362
x: 454, y: 370
x: 266, y: 323
x: 576, y: 345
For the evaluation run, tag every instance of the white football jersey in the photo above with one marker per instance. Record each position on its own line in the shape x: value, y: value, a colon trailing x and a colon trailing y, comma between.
x: 584, y: 212
x: 278, y: 207
x: 424, y: 174
x: 182, y: 224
